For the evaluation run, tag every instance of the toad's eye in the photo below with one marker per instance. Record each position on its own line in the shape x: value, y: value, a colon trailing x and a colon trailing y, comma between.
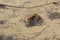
x: 33, y: 20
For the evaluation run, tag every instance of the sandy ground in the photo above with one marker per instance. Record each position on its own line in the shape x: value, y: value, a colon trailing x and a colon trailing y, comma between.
x: 15, y: 13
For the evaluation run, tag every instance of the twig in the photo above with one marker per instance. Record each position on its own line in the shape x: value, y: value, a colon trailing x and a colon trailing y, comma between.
x: 2, y: 5
x: 39, y: 33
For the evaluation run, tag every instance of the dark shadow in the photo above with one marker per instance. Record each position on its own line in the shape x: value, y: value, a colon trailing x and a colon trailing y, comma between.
x: 34, y: 20
x: 1, y: 37
x: 55, y: 15
x: 2, y: 22
x: 10, y: 38
x: 2, y: 6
